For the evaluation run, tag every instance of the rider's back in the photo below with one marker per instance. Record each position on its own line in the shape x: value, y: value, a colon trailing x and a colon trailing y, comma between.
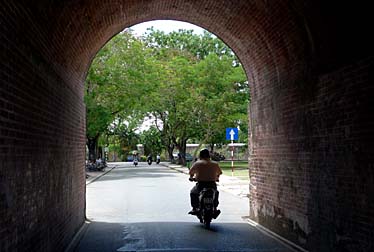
x: 206, y: 170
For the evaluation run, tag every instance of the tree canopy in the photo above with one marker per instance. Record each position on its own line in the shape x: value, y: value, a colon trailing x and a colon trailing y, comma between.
x: 192, y: 85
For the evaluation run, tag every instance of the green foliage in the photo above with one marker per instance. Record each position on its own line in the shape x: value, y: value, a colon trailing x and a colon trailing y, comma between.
x: 151, y: 140
x: 222, y: 101
x: 200, y: 46
x: 124, y: 132
x: 97, y: 115
x: 193, y: 85
x: 205, y: 90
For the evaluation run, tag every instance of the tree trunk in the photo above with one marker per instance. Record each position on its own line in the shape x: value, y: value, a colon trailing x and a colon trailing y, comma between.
x: 167, y: 141
x: 182, y: 146
x: 196, y: 153
x: 170, y: 149
x: 211, y: 148
x: 100, y: 152
x: 92, y: 147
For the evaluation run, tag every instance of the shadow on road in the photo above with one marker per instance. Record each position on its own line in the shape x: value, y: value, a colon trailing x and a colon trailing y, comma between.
x: 175, y: 236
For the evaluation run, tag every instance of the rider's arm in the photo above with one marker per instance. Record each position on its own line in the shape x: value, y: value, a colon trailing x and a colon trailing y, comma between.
x: 219, y: 172
x: 192, y: 171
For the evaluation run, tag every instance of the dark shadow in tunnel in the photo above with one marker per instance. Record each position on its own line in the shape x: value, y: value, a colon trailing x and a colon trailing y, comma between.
x: 175, y: 236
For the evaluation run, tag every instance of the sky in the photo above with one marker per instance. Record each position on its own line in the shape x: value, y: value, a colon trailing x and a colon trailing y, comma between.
x: 165, y: 25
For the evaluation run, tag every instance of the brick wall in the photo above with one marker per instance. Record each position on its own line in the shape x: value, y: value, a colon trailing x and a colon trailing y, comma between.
x: 309, y: 69
x: 312, y: 171
x: 340, y: 205
x: 312, y: 164
x: 42, y: 178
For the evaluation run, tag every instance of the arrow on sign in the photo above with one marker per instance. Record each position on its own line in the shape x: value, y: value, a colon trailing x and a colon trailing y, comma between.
x: 232, y: 134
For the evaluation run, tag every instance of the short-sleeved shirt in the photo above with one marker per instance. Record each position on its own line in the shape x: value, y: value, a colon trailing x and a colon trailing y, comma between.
x: 205, y: 170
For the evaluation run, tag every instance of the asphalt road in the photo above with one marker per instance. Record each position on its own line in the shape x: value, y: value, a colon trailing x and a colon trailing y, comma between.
x: 144, y: 208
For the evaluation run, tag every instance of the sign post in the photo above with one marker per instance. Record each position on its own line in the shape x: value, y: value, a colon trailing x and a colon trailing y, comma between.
x: 232, y: 134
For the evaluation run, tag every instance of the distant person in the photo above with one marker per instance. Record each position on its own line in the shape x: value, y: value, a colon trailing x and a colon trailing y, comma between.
x: 149, y: 159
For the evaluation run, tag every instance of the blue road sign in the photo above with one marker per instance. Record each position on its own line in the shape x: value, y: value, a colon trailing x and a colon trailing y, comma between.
x: 232, y: 134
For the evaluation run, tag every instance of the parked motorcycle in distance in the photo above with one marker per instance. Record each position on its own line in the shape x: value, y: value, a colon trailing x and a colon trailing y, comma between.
x: 101, y: 166
x: 96, y: 166
x: 206, y: 211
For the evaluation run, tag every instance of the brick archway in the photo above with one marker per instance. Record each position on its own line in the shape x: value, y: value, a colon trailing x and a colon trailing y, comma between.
x: 308, y: 67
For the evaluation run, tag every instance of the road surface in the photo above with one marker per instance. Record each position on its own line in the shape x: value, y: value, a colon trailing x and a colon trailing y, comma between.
x: 144, y: 208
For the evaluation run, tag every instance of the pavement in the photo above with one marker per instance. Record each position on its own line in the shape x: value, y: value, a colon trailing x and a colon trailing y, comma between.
x: 91, y: 176
x: 230, y: 184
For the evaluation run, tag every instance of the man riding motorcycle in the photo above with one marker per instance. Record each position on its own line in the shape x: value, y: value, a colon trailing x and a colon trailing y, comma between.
x: 149, y: 159
x: 206, y: 173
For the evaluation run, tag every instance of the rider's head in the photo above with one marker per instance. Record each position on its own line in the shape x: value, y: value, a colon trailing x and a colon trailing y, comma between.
x: 204, y: 153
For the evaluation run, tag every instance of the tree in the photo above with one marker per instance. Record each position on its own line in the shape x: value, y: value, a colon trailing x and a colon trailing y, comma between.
x: 223, y: 101
x: 199, y: 46
x: 151, y: 139
x: 205, y: 69
x: 112, y: 86
x: 193, y: 84
x: 98, y: 118
x: 170, y: 100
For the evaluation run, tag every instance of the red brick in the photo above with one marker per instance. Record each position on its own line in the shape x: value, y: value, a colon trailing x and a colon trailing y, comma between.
x: 309, y: 66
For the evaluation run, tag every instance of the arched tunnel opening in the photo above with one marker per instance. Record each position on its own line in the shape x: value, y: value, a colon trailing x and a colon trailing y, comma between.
x: 134, y: 199
x: 186, y: 80
x: 310, y: 71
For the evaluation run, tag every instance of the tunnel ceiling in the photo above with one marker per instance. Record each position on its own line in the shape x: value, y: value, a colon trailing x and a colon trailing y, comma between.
x: 285, y: 37
x: 265, y: 35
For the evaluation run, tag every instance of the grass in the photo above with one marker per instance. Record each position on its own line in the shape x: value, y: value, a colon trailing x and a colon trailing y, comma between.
x: 241, y: 169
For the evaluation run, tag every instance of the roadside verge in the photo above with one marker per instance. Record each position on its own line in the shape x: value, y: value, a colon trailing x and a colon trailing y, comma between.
x: 226, y: 183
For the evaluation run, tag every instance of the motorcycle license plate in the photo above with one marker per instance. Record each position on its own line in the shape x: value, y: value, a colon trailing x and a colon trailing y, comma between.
x: 208, y: 200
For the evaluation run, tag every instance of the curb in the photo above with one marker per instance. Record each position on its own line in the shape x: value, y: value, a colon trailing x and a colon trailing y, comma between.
x: 99, y: 176
x: 289, y: 244
x: 178, y: 170
x: 82, y: 230
x: 77, y: 237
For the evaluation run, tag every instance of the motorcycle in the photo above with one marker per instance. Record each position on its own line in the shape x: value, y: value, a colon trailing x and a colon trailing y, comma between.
x: 96, y: 166
x: 158, y: 160
x: 91, y: 166
x: 101, y: 166
x: 207, y: 211
x: 135, y: 162
x: 149, y: 161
